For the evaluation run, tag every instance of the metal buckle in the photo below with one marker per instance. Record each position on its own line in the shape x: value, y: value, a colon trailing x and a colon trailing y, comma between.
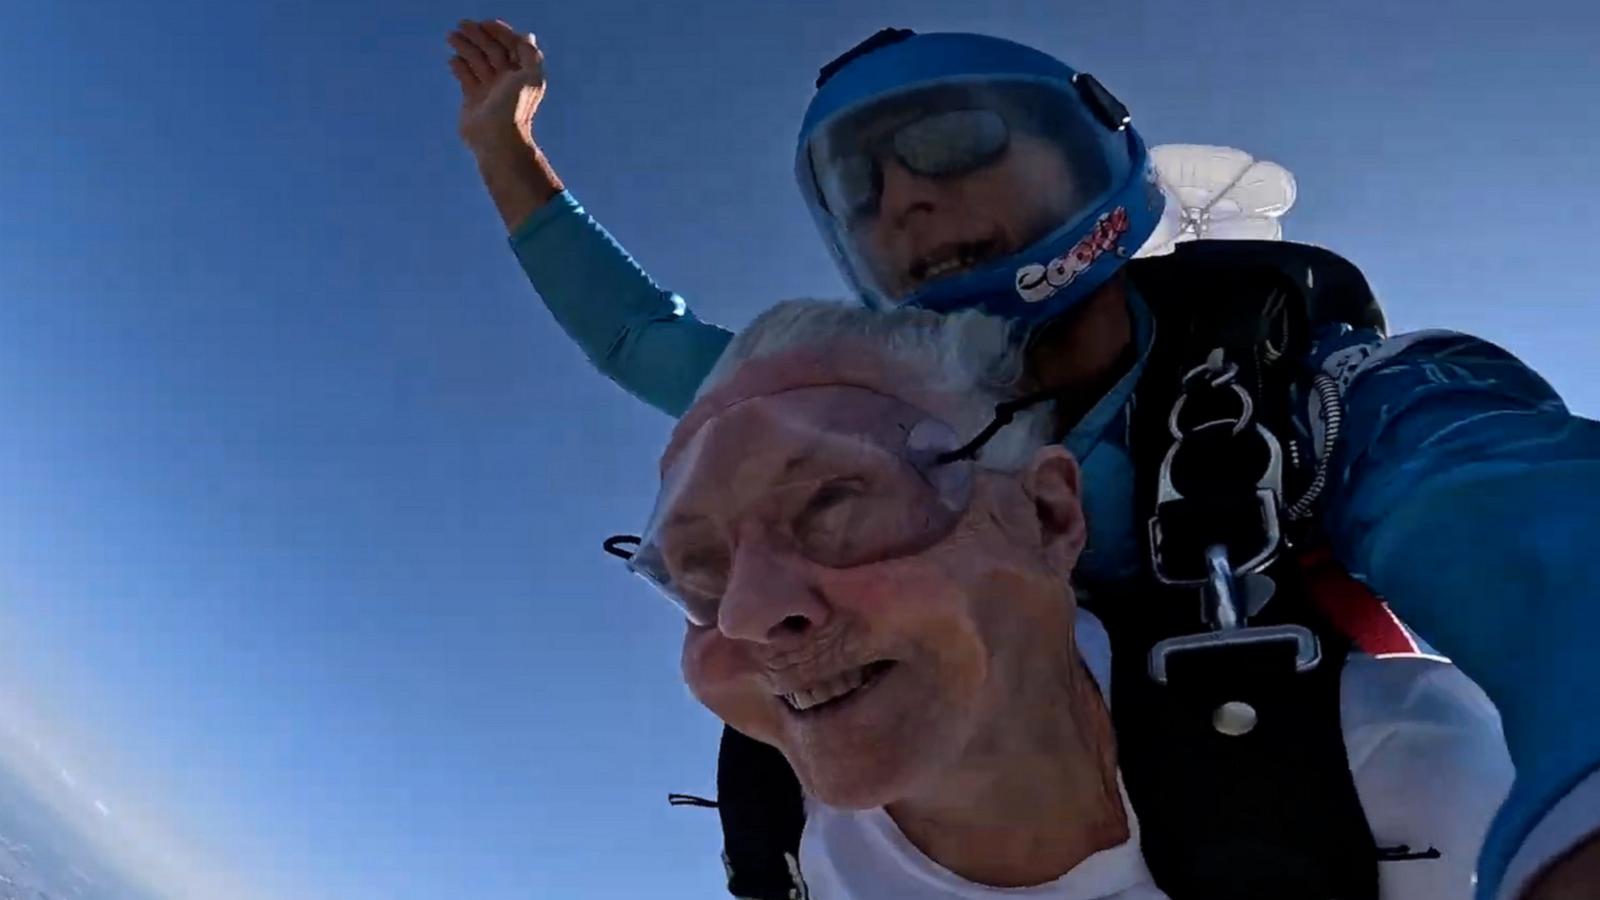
x: 1226, y: 606
x: 1307, y: 651
x: 1225, y: 610
x: 1247, y: 411
x: 1220, y: 369
x: 1268, y: 490
x: 1228, y: 614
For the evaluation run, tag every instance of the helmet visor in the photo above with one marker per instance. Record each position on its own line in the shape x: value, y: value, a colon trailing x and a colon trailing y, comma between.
x: 937, y: 180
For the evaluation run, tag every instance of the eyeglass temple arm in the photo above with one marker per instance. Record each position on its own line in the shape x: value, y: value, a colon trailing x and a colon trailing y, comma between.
x: 613, y: 545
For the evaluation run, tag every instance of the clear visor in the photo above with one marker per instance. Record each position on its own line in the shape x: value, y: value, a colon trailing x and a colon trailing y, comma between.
x: 933, y: 182
x: 840, y: 476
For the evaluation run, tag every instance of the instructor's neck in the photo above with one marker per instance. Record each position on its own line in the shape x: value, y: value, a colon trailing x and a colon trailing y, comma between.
x: 1082, y: 354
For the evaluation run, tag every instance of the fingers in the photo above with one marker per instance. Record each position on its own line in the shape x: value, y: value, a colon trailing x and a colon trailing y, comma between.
x: 499, y: 56
x: 463, y: 74
x: 523, y: 49
x: 472, y: 55
x: 529, y: 56
x: 504, y: 35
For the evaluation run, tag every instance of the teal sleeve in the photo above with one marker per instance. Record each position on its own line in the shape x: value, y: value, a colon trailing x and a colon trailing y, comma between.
x: 639, y: 335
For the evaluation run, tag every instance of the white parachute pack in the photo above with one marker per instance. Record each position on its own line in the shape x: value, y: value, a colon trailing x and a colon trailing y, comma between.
x: 1217, y: 193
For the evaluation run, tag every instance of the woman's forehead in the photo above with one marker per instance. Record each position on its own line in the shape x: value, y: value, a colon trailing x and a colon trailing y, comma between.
x: 850, y: 364
x: 824, y: 421
x: 767, y: 445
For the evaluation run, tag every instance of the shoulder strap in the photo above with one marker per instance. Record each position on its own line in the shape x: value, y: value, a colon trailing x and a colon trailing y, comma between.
x: 763, y: 815
x: 1235, y: 765
x: 1330, y: 288
x: 1271, y: 814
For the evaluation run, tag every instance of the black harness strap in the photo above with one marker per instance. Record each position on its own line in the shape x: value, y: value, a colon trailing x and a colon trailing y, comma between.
x: 1267, y: 815
x: 1271, y: 813
x: 763, y: 814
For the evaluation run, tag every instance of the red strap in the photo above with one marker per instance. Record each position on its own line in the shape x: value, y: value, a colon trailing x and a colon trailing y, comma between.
x: 1355, y: 611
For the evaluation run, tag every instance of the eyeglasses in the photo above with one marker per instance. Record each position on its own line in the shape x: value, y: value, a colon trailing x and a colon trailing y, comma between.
x: 884, y: 503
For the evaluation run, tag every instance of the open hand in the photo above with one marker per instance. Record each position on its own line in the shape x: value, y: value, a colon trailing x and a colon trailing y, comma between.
x: 501, y: 74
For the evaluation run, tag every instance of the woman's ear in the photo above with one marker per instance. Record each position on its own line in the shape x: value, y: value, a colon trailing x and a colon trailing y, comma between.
x: 1051, y: 481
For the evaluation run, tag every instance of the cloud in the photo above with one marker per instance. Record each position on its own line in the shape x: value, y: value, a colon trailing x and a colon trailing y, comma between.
x: 101, y: 808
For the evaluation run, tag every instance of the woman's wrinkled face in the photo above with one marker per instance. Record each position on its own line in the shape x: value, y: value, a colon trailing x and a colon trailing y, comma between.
x: 873, y: 630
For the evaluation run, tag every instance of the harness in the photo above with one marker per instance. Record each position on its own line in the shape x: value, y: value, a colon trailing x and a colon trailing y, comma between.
x: 1226, y: 667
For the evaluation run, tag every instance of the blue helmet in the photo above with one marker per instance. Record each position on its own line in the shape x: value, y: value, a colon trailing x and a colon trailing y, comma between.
x: 959, y: 171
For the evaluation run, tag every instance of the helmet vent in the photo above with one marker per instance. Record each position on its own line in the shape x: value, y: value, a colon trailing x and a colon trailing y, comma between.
x: 883, y: 38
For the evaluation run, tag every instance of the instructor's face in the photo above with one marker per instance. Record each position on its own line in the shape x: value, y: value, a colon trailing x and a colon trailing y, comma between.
x: 928, y: 228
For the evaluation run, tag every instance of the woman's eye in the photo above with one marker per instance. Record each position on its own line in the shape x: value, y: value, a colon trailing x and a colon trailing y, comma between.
x: 830, y: 515
x: 832, y: 497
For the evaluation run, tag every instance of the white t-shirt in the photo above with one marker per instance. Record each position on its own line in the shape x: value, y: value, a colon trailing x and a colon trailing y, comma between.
x: 1426, y: 755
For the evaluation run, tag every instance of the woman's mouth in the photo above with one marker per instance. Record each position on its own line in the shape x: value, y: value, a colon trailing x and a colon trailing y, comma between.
x: 838, y: 690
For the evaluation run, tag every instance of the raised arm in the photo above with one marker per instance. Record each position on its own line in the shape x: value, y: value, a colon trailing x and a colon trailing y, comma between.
x: 636, y: 333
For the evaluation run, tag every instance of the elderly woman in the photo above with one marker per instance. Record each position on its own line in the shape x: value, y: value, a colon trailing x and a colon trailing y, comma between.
x: 888, y: 604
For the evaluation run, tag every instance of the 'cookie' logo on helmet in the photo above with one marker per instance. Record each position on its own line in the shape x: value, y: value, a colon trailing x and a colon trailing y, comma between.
x: 1037, y: 282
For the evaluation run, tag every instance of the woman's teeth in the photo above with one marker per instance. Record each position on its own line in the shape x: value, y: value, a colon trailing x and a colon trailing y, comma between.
x: 838, y: 687
x: 827, y: 691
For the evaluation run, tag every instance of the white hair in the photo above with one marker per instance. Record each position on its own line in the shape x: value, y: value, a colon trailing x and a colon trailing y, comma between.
x: 976, y: 359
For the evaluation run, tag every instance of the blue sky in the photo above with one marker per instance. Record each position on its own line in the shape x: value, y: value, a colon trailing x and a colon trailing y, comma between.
x: 301, y: 490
